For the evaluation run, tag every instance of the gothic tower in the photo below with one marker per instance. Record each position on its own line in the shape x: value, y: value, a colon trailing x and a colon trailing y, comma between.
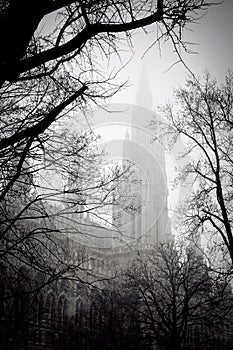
x: 145, y: 219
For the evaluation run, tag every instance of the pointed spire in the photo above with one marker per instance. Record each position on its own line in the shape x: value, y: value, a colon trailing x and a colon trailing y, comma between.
x: 126, y: 149
x: 144, y: 95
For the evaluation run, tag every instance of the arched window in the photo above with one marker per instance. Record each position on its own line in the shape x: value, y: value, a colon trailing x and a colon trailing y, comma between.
x: 62, y: 310
x: 94, y: 317
x: 23, y: 301
x: 39, y: 317
x: 79, y: 315
x: 35, y: 309
x: 40, y: 309
x: 50, y: 308
x: 20, y: 307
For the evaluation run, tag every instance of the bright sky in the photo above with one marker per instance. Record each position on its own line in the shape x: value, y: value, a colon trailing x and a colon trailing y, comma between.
x: 213, y: 39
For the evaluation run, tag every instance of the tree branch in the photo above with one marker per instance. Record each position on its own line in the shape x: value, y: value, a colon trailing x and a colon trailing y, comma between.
x: 79, y: 40
x: 42, y: 125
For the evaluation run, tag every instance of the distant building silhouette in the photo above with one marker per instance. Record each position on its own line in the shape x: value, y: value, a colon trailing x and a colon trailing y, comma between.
x: 145, y: 218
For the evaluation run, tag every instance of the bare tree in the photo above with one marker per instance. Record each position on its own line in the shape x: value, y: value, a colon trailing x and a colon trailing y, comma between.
x: 48, y: 68
x: 79, y: 21
x: 54, y: 67
x: 176, y: 293
x: 114, y: 321
x: 203, y: 117
x: 45, y: 222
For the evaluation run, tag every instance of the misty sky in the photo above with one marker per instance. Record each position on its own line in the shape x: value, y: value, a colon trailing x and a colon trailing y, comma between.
x: 211, y: 36
x: 213, y: 39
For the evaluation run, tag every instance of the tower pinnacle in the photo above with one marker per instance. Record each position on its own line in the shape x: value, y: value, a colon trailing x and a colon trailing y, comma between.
x: 144, y: 95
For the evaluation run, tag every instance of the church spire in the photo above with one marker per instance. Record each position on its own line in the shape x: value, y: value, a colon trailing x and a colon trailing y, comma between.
x: 141, y: 116
x: 127, y: 155
x: 144, y: 95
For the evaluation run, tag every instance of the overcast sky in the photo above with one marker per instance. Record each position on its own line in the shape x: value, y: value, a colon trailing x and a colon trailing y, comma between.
x: 213, y: 39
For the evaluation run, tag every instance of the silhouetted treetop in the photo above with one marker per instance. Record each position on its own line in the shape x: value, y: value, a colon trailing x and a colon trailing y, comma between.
x: 24, y: 48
